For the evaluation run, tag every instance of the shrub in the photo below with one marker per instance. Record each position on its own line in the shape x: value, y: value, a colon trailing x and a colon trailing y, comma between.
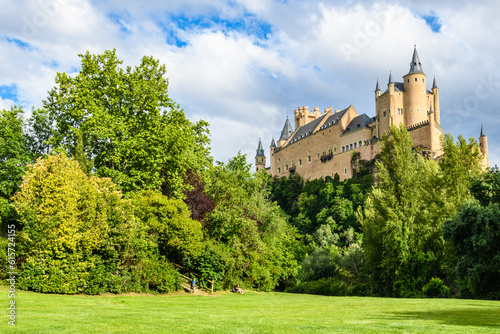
x: 436, y: 289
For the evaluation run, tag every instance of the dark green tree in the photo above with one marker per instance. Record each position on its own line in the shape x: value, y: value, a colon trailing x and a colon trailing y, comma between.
x: 475, y: 235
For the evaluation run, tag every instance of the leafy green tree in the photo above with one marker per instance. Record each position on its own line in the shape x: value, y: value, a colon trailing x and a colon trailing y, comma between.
x: 76, y: 234
x: 170, y: 225
x: 475, y: 234
x: 254, y: 230
x: 402, y: 235
x: 14, y: 151
x: 130, y: 128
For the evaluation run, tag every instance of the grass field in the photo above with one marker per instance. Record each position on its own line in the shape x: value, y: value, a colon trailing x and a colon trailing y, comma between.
x: 252, y: 312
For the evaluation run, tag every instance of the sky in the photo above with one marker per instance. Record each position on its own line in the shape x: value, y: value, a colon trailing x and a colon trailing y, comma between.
x: 245, y: 65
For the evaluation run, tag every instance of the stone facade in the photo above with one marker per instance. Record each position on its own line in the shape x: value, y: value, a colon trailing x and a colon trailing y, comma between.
x: 322, y: 143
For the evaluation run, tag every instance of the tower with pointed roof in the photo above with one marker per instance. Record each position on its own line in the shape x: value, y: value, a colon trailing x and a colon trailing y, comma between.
x: 260, y: 157
x: 483, y: 147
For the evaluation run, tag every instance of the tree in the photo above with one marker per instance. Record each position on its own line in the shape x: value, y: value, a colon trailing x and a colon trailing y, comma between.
x: 402, y: 218
x: 475, y: 233
x: 246, y: 228
x: 76, y: 234
x: 14, y: 152
x: 130, y: 128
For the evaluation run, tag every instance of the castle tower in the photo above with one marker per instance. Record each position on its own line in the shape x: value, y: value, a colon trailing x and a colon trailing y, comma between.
x: 483, y: 147
x: 415, y: 93
x: 260, y: 158
x: 435, y: 92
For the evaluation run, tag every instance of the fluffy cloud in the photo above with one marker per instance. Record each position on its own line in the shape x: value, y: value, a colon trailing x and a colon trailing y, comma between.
x: 245, y: 65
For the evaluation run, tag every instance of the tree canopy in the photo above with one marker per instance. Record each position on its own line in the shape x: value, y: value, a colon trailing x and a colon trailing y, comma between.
x: 124, y: 122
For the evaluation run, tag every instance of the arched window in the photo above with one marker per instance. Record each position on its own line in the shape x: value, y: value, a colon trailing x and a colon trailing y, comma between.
x: 355, y: 145
x: 343, y: 148
x: 345, y: 170
x: 360, y: 143
x: 350, y: 147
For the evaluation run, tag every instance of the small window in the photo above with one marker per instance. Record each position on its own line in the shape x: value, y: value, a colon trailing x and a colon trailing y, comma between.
x: 309, y: 158
x: 384, y: 113
x: 286, y: 167
x: 415, y: 79
x: 360, y: 143
x: 335, y: 149
x: 408, y: 80
x: 300, y: 162
x: 345, y: 170
x: 350, y: 147
x: 358, y: 125
x: 329, y: 131
x: 279, y: 170
x: 343, y: 148
x: 355, y: 145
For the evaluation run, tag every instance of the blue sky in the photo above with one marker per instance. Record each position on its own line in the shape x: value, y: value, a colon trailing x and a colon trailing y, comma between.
x: 244, y: 65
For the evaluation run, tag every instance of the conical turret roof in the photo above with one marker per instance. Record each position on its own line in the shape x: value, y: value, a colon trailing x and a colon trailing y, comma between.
x: 260, y: 150
x: 482, y: 132
x: 390, y: 78
x: 287, y: 130
x: 415, y: 65
x: 377, y: 88
x: 434, y: 85
x: 273, y: 144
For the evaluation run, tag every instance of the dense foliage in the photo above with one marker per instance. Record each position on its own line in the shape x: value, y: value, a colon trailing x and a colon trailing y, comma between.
x: 475, y: 233
x: 111, y: 189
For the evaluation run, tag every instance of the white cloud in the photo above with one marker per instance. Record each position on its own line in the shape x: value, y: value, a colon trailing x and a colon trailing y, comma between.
x: 316, y: 53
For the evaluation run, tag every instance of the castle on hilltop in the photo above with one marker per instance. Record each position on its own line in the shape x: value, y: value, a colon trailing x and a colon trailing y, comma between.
x: 322, y: 143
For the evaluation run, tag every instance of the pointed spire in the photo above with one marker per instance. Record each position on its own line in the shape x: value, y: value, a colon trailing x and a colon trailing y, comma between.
x: 482, y: 131
x: 273, y: 144
x: 287, y: 130
x: 260, y: 150
x: 434, y: 85
x: 390, y: 78
x: 377, y: 88
x: 415, y: 65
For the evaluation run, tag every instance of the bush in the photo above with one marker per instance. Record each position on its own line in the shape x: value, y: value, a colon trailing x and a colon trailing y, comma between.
x: 436, y: 289
x: 323, y: 286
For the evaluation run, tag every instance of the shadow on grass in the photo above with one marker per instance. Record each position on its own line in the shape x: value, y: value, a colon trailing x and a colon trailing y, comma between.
x: 479, y: 317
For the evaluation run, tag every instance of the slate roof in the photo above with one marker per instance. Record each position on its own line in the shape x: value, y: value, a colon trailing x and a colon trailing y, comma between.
x: 307, y: 129
x: 415, y: 65
x: 287, y: 131
x: 260, y: 150
x: 398, y: 87
x: 360, y: 121
x: 333, y: 119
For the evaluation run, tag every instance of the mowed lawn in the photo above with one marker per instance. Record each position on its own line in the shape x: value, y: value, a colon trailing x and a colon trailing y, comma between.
x: 253, y: 312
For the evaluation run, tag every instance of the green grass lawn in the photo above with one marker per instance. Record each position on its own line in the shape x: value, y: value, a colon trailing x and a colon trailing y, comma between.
x: 252, y: 312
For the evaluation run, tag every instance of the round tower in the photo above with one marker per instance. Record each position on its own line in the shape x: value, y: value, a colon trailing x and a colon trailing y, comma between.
x: 415, y: 93
x: 260, y: 158
x: 435, y: 92
x: 483, y: 147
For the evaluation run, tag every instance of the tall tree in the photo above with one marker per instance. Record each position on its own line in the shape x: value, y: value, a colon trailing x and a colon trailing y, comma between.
x: 475, y: 234
x: 131, y: 129
x: 402, y: 236
x: 14, y: 151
